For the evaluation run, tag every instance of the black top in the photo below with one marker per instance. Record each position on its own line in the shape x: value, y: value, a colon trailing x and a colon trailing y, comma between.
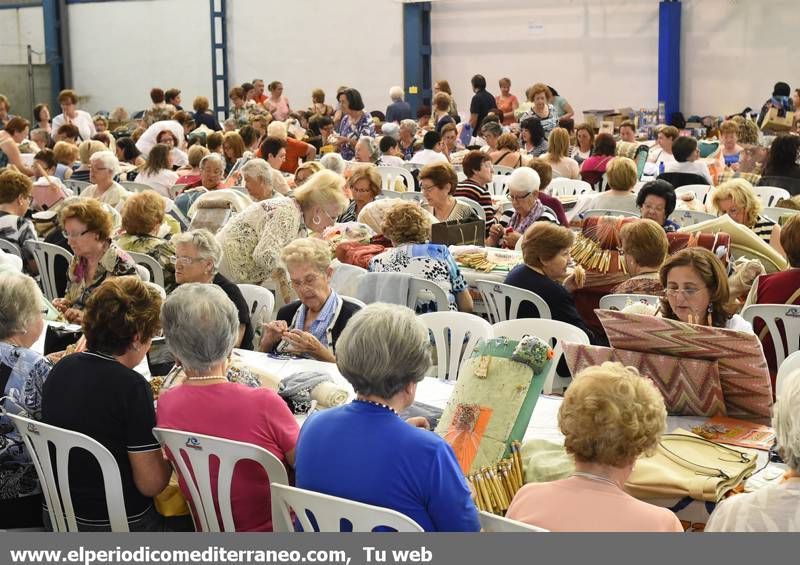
x: 206, y: 119
x: 97, y: 396
x: 481, y: 103
x: 790, y: 181
x: 397, y: 111
x: 339, y: 322
x: 238, y: 300
x: 678, y: 180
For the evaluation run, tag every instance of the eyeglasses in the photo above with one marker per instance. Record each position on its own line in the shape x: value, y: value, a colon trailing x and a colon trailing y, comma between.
x: 650, y: 208
x: 687, y: 292
x: 68, y: 235
x: 427, y: 187
x: 361, y: 190
x: 309, y: 282
x: 184, y: 260
x: 518, y: 197
x: 98, y: 169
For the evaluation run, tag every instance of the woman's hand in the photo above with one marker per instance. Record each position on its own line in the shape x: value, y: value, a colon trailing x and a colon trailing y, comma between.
x: 496, y: 232
x: 61, y: 304
x: 419, y: 422
x: 73, y: 316
x: 272, y: 333
x: 301, y: 342
x: 511, y: 239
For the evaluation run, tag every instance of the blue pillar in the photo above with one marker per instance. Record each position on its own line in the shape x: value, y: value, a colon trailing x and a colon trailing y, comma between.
x: 219, y: 58
x: 669, y: 56
x: 53, y: 54
x: 417, y: 54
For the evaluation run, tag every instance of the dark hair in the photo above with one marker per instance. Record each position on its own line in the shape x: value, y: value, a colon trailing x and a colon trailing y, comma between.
x: 552, y: 90
x: 430, y: 140
x: 247, y: 87
x: 157, y: 159
x: 473, y: 161
x: 171, y: 95
x: 16, y: 124
x: 683, y: 147
x: 660, y: 188
x: 479, y: 82
x: 37, y: 111
x: 271, y: 146
x: 781, y: 89
x: 129, y: 150
x: 628, y: 124
x: 214, y: 141
x: 604, y: 144
x: 156, y: 95
x: 317, y: 122
x: 354, y: 100
x: 568, y: 124
x: 69, y: 130
x: 387, y: 142
x: 249, y: 135
x: 782, y: 157
x: 423, y: 111
x: 378, y: 114
x: 534, y: 127
x: 47, y: 157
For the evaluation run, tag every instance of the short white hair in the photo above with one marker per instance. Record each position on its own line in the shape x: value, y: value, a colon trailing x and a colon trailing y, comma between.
x: 333, y: 162
x: 213, y: 158
x: 277, y: 129
x: 20, y: 303
x: 523, y: 179
x: 372, y: 146
x: 409, y: 125
x: 107, y: 159
x: 207, y: 246
x: 259, y: 170
x: 396, y: 93
x: 786, y: 420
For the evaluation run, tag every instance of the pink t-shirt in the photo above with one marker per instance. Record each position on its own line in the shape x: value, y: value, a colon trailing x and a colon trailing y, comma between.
x: 578, y: 504
x: 234, y: 411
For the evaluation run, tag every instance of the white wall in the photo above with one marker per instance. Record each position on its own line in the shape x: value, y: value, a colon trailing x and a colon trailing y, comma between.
x: 120, y: 50
x: 18, y: 29
x: 309, y: 44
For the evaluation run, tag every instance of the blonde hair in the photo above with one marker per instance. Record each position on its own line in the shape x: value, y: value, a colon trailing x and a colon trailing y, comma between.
x: 196, y: 154
x: 307, y: 251
x: 742, y: 194
x: 277, y: 129
x: 645, y: 241
x: 323, y: 188
x: 621, y: 173
x: 405, y: 222
x: 65, y: 153
x: 544, y: 240
x: 143, y: 212
x: 611, y: 415
x: 370, y: 172
x: 507, y: 141
x: 88, y: 148
x: 558, y: 144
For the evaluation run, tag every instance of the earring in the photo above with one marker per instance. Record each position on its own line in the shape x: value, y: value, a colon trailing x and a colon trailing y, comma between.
x: 316, y: 220
x: 710, y: 308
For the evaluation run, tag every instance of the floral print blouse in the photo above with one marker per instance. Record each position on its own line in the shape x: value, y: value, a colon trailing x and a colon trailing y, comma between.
x: 114, y: 263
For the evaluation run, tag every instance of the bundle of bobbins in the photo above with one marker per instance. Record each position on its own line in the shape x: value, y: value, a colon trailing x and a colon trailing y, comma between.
x: 493, y: 488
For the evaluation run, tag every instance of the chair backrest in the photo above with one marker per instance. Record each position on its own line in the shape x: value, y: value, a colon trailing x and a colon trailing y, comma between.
x: 175, y: 190
x: 690, y: 217
x: 160, y: 290
x: 783, y: 323
x: 329, y: 512
x: 260, y: 303
x: 497, y: 186
x: 390, y: 174
x: 416, y: 286
x: 38, y: 438
x: 678, y: 180
x: 700, y: 191
x: 143, y: 273
x: 474, y: 205
x: 502, y: 170
x: 568, y: 187
x: 604, y: 212
x: 386, y: 193
x: 412, y: 166
x: 45, y: 256
x: 769, y: 195
x: 153, y: 267
x: 551, y: 331
x: 620, y: 301
x: 10, y: 247
x: 775, y: 214
x: 414, y: 196
x: 789, y: 183
x: 76, y: 186
x: 454, y: 336
x: 493, y: 523
x: 789, y: 366
x: 346, y: 278
x: 191, y: 456
x: 503, y: 300
x: 355, y: 301
x: 135, y: 186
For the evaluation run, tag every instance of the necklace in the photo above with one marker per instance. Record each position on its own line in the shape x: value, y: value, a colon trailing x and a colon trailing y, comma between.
x: 206, y: 378
x: 598, y: 478
x: 378, y: 404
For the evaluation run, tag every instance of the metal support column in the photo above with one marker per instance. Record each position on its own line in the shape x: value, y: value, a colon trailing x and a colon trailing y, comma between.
x: 417, y: 54
x: 669, y: 56
x: 219, y: 58
x: 54, y: 14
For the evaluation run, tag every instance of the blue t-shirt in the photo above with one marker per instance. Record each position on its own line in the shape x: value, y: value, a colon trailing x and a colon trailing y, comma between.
x: 366, y: 453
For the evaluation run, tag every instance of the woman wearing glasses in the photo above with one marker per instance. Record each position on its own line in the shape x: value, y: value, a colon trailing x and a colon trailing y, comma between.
x: 365, y: 185
x: 87, y: 228
x: 523, y: 191
x: 311, y: 325
x: 103, y: 166
x: 438, y: 183
x: 696, y: 291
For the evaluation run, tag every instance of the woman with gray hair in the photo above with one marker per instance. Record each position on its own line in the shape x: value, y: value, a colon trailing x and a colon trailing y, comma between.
x: 408, y: 132
x: 367, y: 150
x: 257, y: 176
x: 201, y: 328
x: 103, y: 167
x: 21, y: 324
x: 364, y: 451
x: 333, y: 162
x: 774, y: 508
x: 197, y: 259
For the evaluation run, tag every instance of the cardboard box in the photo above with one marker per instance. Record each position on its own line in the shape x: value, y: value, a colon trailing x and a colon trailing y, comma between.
x: 773, y: 121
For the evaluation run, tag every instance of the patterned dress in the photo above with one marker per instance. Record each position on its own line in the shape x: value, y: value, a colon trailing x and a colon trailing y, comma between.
x: 364, y: 126
x: 159, y: 249
x: 17, y: 229
x: 113, y: 263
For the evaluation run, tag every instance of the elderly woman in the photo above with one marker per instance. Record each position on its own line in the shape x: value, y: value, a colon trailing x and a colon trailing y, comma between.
x: 24, y: 372
x: 363, y: 451
x: 593, y: 168
x: 201, y: 328
x: 558, y: 155
x: 197, y: 260
x: 257, y: 176
x: 142, y: 217
x: 697, y: 292
x: 97, y: 393
x: 355, y: 123
x: 584, y: 143
x: 252, y: 239
x: 409, y: 228
x: 104, y: 188
x: 82, y: 120
x: 644, y: 248
x: 737, y: 198
x: 532, y: 136
x: 523, y: 191
x: 15, y: 200
x: 539, y: 94
x: 477, y: 167
x: 506, y: 102
x: 774, y: 507
x: 438, y: 182
x: 490, y: 133
x: 593, y: 498
x: 365, y: 185
x: 507, y: 153
x: 304, y: 172
x: 212, y: 167
x: 333, y: 162
x: 157, y: 172
x: 85, y: 151
x: 408, y: 132
x: 190, y: 175
x: 87, y: 228
x: 656, y: 200
x: 311, y: 325
x: 622, y: 176
x: 367, y: 151
x: 782, y: 161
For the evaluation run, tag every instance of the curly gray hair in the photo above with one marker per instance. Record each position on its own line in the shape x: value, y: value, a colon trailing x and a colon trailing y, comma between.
x: 207, y: 246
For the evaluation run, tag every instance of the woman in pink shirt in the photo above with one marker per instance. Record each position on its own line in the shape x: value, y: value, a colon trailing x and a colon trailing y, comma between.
x: 610, y: 416
x: 201, y: 325
x: 277, y: 103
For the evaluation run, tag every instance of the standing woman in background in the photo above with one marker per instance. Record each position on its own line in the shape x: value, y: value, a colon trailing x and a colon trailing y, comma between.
x: 277, y: 103
x: 444, y: 86
x: 41, y: 113
x: 71, y: 115
x: 506, y: 102
x: 355, y: 123
x: 563, y: 109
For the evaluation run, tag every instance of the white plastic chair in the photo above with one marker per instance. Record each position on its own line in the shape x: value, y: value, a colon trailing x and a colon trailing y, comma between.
x: 346, y: 278
x: 175, y: 190
x: 789, y: 366
x: 143, y: 273
x: 153, y: 267
x: 10, y: 247
x: 77, y: 186
x: 413, y: 196
x: 355, y: 301
x: 38, y: 438
x: 45, y: 255
x: 502, y: 170
x: 330, y: 511
x: 418, y: 286
x: 770, y: 314
x: 775, y: 214
x: 700, y: 191
x: 385, y: 193
x: 620, y: 301
x: 390, y: 174
x: 769, y: 195
x: 260, y: 303
x: 690, y: 217
x: 503, y: 300
x: 461, y: 176
x: 454, y: 336
x: 604, y: 212
x: 551, y: 331
x: 474, y: 205
x: 568, y: 187
x: 199, y: 450
x: 493, y: 523
x: 497, y: 186
x: 135, y: 186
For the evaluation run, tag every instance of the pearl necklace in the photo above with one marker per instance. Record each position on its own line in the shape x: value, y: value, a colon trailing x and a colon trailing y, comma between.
x: 598, y: 478
x: 378, y: 404
x: 206, y: 378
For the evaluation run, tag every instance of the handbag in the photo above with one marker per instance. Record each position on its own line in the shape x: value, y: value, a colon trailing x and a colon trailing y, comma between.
x: 456, y: 232
x: 686, y: 464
